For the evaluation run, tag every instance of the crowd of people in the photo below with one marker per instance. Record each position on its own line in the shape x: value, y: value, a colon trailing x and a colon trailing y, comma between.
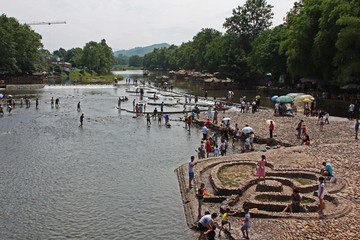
x: 206, y: 223
x: 209, y: 148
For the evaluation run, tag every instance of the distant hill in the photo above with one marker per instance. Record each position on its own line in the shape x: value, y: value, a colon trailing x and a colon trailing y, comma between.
x: 140, y: 51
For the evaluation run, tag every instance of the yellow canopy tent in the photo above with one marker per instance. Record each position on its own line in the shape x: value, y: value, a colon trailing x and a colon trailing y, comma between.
x: 299, y: 102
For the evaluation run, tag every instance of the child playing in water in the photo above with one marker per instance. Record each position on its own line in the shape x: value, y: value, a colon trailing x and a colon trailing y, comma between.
x: 224, y: 221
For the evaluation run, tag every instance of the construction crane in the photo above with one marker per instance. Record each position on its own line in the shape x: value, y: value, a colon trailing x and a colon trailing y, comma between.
x: 45, y: 23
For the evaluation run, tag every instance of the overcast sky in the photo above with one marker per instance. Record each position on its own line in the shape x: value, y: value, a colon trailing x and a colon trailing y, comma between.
x: 126, y: 23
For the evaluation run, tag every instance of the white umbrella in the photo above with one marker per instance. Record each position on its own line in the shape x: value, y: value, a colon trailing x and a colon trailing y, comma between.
x: 1, y: 95
x: 10, y: 96
x: 226, y: 119
x: 247, y: 130
x: 269, y: 120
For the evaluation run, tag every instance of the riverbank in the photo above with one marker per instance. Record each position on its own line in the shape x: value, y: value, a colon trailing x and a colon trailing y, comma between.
x: 335, y: 144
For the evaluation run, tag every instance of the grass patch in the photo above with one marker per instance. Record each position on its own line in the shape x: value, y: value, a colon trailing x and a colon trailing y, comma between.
x: 232, y: 176
x: 86, y: 76
x: 307, y: 201
x: 282, y: 199
x: 304, y: 181
x: 263, y: 198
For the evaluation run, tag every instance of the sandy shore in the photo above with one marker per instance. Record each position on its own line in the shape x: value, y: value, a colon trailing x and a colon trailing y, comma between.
x: 335, y: 144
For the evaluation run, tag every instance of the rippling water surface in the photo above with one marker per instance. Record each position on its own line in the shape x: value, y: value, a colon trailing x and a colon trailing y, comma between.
x: 112, y: 179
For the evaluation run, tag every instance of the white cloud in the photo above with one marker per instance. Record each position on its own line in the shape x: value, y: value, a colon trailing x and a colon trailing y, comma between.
x: 126, y: 23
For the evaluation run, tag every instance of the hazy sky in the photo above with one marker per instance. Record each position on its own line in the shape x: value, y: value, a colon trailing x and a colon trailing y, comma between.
x: 126, y: 23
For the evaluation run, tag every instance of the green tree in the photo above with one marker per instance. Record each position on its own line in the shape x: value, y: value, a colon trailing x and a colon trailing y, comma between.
x: 135, y: 61
x: 265, y: 55
x: 74, y: 56
x: 61, y: 53
x: 19, y: 46
x: 200, y: 43
x: 225, y: 55
x: 121, y: 60
x: 324, y: 42
x: 251, y: 19
x: 299, y: 43
x: 347, y: 58
x: 98, y: 57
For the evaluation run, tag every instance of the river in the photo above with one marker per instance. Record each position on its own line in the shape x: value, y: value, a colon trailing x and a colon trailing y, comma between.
x: 112, y: 179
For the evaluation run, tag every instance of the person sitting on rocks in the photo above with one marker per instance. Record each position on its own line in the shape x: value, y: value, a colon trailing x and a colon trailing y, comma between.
x: 306, y: 139
x: 327, y: 170
x: 295, y: 202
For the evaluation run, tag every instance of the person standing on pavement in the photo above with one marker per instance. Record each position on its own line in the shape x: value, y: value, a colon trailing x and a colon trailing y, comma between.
x: 191, y: 170
x: 357, y: 123
x: 271, y: 128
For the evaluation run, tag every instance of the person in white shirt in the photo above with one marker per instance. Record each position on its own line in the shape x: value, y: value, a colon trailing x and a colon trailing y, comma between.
x: 351, y: 111
x: 276, y: 108
x: 321, y: 194
x: 206, y: 223
x: 205, y: 132
x: 191, y: 170
x: 243, y: 104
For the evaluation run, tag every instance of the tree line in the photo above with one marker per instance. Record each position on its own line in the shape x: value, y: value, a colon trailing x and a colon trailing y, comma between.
x: 319, y: 39
x: 21, y: 51
x: 94, y: 56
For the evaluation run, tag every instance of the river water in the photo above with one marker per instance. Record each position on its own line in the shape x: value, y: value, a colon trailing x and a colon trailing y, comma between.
x: 112, y: 179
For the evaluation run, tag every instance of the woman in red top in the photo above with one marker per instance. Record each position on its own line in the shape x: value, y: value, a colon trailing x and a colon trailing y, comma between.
x: 303, y: 129
x: 271, y: 128
x: 208, y: 147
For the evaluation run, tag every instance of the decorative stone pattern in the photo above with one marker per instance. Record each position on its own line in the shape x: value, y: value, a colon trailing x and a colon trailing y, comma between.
x: 270, y: 186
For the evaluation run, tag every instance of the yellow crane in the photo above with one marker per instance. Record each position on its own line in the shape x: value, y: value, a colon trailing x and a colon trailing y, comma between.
x: 45, y: 23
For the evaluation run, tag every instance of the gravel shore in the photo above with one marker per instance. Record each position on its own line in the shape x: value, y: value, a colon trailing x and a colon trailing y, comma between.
x: 335, y: 144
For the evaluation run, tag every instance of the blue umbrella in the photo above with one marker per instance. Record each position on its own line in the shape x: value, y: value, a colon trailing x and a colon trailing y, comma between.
x: 274, y: 98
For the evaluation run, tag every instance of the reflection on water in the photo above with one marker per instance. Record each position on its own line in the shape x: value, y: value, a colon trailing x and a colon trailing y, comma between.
x: 112, y: 179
